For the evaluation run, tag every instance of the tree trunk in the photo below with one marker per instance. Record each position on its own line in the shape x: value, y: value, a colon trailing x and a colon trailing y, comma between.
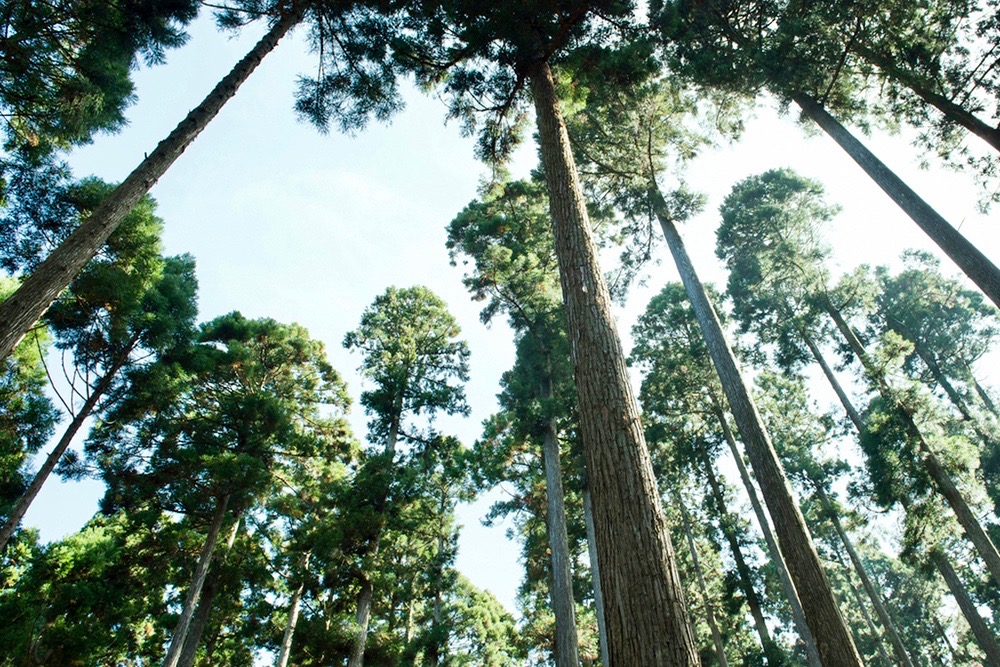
x: 845, y: 400
x: 858, y: 600
x: 720, y: 651
x: 984, y: 636
x: 942, y: 479
x: 595, y: 575
x: 902, y: 657
x: 798, y: 616
x: 361, y: 619
x: 644, y: 599
x: 293, y: 619
x: 771, y: 650
x: 25, y: 306
x: 24, y: 502
x: 833, y: 639
x: 563, y: 607
x: 968, y: 258
x: 194, y: 592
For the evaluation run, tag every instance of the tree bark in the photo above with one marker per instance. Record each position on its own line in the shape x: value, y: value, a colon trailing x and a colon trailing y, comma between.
x: 293, y: 619
x: 720, y: 651
x: 361, y: 620
x: 198, y: 581
x: 798, y: 616
x: 852, y: 412
x: 25, y: 306
x: 942, y: 479
x: 595, y: 575
x: 833, y: 638
x: 984, y: 636
x: 899, y: 649
x: 644, y: 600
x: 858, y: 600
x: 969, y: 259
x: 771, y: 650
x: 24, y: 502
x: 563, y: 607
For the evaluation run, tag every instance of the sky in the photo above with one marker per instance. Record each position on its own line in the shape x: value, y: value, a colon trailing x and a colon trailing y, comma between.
x: 288, y: 223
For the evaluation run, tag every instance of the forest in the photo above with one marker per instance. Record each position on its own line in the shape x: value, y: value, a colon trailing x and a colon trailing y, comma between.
x: 686, y: 497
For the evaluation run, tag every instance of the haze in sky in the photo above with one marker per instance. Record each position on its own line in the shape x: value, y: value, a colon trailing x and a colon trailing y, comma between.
x: 287, y: 223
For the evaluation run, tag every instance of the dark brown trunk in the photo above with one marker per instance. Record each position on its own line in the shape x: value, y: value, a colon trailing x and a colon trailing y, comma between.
x: 984, y: 636
x: 968, y: 258
x: 25, y: 306
x: 833, y: 638
x: 644, y: 601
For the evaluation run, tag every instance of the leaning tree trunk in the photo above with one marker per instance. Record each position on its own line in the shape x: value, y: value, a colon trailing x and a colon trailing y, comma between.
x: 943, y: 482
x: 194, y: 592
x: 563, y: 607
x: 969, y: 259
x: 985, y: 638
x: 644, y: 600
x: 595, y: 574
x: 26, y: 305
x: 858, y: 600
x: 798, y: 616
x: 720, y: 650
x: 24, y: 502
x: 833, y: 638
x: 902, y: 657
x: 293, y: 619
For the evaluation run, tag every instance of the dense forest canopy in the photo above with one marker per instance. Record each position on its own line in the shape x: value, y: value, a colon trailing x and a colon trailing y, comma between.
x: 548, y: 333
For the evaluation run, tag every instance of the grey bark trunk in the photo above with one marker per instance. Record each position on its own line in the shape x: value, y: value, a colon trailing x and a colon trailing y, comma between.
x: 595, y: 575
x: 899, y: 649
x: 984, y: 636
x: 858, y: 600
x: 720, y: 650
x: 833, y: 638
x: 293, y: 619
x: 563, y: 607
x: 26, y: 305
x: 842, y: 396
x: 198, y: 581
x: 24, y: 502
x: 968, y: 258
x: 942, y: 479
x: 798, y: 616
x: 644, y: 601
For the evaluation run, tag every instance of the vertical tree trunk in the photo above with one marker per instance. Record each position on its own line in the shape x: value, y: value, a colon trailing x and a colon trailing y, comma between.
x: 595, y: 575
x: 706, y: 599
x: 833, y: 639
x: 198, y: 581
x: 984, y: 636
x: 899, y: 649
x: 968, y: 258
x: 293, y: 619
x: 361, y: 620
x: 563, y: 607
x: 25, y: 306
x: 771, y: 650
x: 798, y: 616
x: 942, y: 479
x: 24, y: 502
x: 646, y: 611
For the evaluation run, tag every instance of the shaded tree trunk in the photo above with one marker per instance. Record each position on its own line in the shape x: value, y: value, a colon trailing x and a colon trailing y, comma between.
x: 932, y: 465
x: 198, y: 581
x: 968, y: 258
x: 595, y: 575
x: 858, y: 600
x: 293, y: 619
x: 706, y: 599
x: 833, y: 638
x: 26, y: 305
x: 984, y: 636
x: 361, y: 619
x: 646, y: 613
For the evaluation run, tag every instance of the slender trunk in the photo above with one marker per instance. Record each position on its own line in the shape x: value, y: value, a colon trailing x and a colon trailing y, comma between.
x: 361, y: 620
x: 942, y: 479
x: 720, y: 651
x: 984, y: 636
x: 902, y: 657
x: 945, y: 384
x: 852, y: 412
x: 595, y: 574
x: 644, y: 600
x: 25, y: 306
x: 968, y: 258
x: 771, y: 649
x: 953, y: 112
x: 194, y: 592
x: 24, y: 502
x: 798, y: 616
x: 984, y: 395
x: 293, y: 619
x: 563, y: 607
x: 858, y: 600
x: 833, y: 638
x: 205, y: 603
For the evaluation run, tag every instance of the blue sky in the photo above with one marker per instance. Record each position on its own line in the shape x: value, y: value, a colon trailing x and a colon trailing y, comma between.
x: 287, y: 223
